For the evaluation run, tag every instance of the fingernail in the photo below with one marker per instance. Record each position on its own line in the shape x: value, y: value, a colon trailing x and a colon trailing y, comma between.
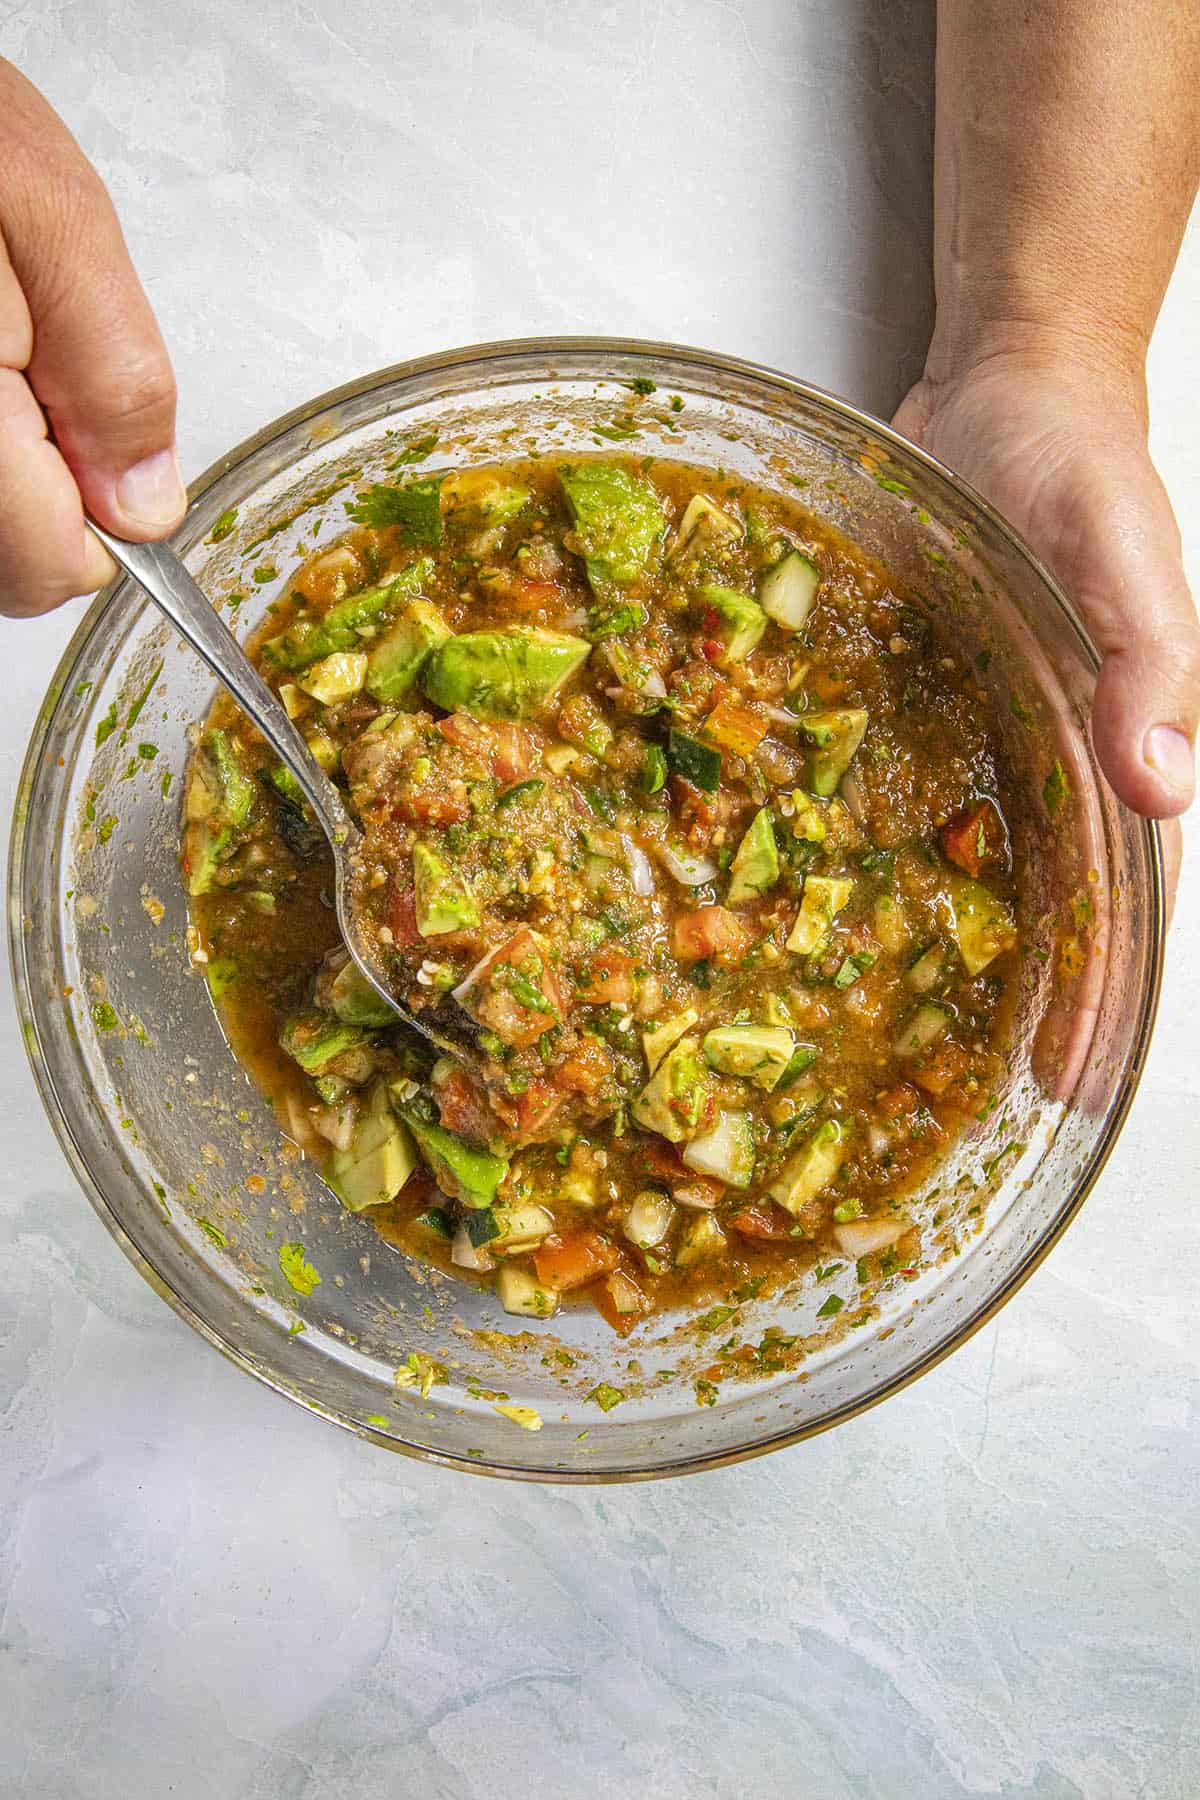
x: 152, y: 494
x: 1169, y: 754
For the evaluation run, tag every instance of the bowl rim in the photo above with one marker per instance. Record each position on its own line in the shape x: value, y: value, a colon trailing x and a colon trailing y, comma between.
x: 490, y: 355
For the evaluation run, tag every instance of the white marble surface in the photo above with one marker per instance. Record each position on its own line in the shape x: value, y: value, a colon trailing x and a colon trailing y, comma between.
x: 986, y: 1587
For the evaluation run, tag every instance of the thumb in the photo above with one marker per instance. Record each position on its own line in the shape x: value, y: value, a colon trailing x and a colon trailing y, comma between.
x: 97, y: 366
x: 1118, y: 554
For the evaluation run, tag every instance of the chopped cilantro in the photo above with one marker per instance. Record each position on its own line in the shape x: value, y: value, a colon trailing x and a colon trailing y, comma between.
x: 415, y: 508
x: 1055, y: 789
x: 833, y: 1305
x: 297, y: 1270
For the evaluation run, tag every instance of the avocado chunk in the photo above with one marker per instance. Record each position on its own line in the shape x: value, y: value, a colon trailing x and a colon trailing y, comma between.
x: 461, y: 1171
x: 442, y: 899
x: 379, y: 1161
x: 758, y: 1053
x: 220, y: 795
x: 340, y: 628
x: 314, y: 1039
x: 677, y: 1099
x: 705, y: 527
x: 501, y: 674
x: 743, y: 621
x: 398, y: 658
x: 618, y: 520
x: 984, y: 927
x: 726, y: 1152
x: 823, y: 898
x: 812, y: 1168
x: 787, y: 592
x: 755, y: 866
x: 657, y: 1041
x: 479, y: 498
x: 355, y: 1001
x: 337, y: 677
x: 836, y: 735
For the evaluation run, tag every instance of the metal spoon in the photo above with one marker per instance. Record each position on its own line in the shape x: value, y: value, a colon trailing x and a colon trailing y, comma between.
x: 162, y: 576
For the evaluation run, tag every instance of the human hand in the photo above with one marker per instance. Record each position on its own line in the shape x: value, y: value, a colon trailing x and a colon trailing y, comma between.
x: 80, y: 354
x: 1054, y: 435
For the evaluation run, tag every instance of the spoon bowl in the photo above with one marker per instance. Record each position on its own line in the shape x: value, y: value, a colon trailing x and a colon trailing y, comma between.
x: 163, y: 577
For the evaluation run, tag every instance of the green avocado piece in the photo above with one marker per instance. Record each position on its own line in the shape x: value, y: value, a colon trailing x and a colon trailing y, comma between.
x: 618, y: 520
x: 501, y: 674
x: 758, y: 1053
x: 220, y: 795
x: 442, y: 900
x: 743, y: 620
x: 984, y: 926
x: 313, y: 1039
x: 400, y: 655
x: 203, y: 844
x: 812, y: 1168
x: 675, y: 1101
x: 460, y: 1170
x: 755, y: 866
x: 837, y: 735
x: 355, y: 1001
x: 308, y: 639
x: 379, y: 1161
x: 480, y: 497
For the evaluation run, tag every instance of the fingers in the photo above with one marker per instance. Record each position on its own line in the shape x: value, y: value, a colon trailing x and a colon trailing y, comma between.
x: 95, y: 360
x: 1120, y: 559
x: 46, y: 554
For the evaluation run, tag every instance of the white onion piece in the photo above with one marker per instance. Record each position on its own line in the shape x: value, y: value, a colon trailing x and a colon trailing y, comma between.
x: 862, y: 1237
x: 854, y: 797
x: 466, y: 1255
x: 699, y: 1199
x: 336, y: 1123
x: 779, y: 715
x: 640, y: 872
x: 686, y: 867
x: 878, y: 1140
x: 654, y: 685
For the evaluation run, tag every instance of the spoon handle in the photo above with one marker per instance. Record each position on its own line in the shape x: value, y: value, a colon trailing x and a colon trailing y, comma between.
x: 161, y: 574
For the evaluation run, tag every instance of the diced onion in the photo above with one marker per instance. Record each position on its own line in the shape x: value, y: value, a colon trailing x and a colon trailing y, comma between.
x: 779, y: 715
x: 640, y: 872
x: 878, y: 1140
x: 336, y: 1123
x: 686, y: 867
x: 862, y: 1237
x: 466, y: 1255
x: 854, y: 797
x: 700, y: 1199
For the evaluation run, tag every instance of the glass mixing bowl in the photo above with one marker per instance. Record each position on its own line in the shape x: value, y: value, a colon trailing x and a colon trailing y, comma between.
x: 182, y: 1158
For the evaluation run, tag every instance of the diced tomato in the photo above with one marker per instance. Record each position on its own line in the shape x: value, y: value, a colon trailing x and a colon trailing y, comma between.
x: 507, y: 749
x: 521, y: 593
x: 735, y: 727
x: 608, y: 978
x: 402, y: 918
x: 896, y: 1102
x: 537, y: 1108
x: 433, y: 802
x: 768, y: 1224
x: 585, y: 1070
x: 517, y: 995
x: 710, y: 933
x: 699, y: 814
x: 976, y: 840
x: 463, y: 1109
x: 512, y: 757
x: 713, y: 649
x: 574, y: 1260
x: 663, y: 1160
x: 467, y: 733
x: 947, y: 1074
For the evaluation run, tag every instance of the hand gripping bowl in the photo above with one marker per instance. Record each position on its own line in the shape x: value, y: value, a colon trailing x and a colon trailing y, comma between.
x: 182, y: 1158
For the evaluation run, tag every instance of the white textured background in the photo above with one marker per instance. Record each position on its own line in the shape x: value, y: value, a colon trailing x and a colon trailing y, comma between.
x: 988, y: 1586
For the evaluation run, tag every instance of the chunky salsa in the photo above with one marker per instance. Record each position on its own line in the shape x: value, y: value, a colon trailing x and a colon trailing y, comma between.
x: 684, y: 814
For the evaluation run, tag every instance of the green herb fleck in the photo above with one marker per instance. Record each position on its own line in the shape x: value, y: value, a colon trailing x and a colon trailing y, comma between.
x: 606, y: 1397
x: 832, y: 1306
x: 414, y: 508
x: 299, y: 1273
x: 103, y: 1016
x: 107, y: 725
x: 223, y: 525
x: 1055, y: 789
x: 107, y: 826
x: 213, y: 1232
x: 416, y: 451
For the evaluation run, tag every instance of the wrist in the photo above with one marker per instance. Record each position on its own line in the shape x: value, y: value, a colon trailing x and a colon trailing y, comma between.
x: 1105, y: 351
